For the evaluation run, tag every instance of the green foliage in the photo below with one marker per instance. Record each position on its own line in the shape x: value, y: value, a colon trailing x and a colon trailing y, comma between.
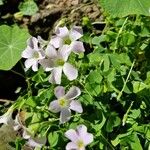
x: 114, y: 78
x: 12, y: 43
x: 117, y: 8
x: 28, y: 7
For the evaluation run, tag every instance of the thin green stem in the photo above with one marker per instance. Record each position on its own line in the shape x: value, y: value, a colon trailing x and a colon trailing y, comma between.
x: 120, y: 93
x: 120, y: 31
x: 15, y: 72
x: 108, y: 142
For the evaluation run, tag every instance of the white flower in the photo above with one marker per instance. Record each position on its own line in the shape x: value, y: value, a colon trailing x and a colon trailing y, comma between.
x: 66, y: 37
x: 57, y: 63
x: 33, y: 53
x: 7, y: 117
x: 65, y: 102
x: 80, y: 138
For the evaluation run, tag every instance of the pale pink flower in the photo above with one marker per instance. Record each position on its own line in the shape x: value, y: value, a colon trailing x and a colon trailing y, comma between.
x: 66, y: 102
x: 56, y: 62
x: 66, y: 37
x: 33, y: 53
x: 80, y: 138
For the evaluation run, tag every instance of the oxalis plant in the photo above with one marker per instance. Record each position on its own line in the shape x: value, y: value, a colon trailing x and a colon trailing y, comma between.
x: 84, y: 90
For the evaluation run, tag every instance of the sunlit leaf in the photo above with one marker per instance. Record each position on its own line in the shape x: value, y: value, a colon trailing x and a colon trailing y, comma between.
x: 121, y: 8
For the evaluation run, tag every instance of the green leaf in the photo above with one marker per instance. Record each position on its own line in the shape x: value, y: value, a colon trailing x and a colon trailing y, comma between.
x: 112, y: 122
x: 53, y: 138
x: 94, y: 77
x: 121, y: 8
x: 98, y: 39
x: 138, y: 86
x: 12, y: 43
x: 106, y: 63
x: 28, y: 7
x: 93, y: 89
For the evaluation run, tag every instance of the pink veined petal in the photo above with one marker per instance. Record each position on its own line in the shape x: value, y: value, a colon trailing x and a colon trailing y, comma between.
x: 28, y: 52
x: 71, y: 146
x: 50, y: 51
x: 77, y: 47
x: 29, y: 62
x: 56, y: 41
x: 70, y: 71
x: 54, y: 106
x: 65, y: 115
x: 62, y: 32
x: 73, y: 93
x: 72, y: 135
x: 64, y: 52
x: 35, y: 66
x: 75, y: 34
x: 76, y: 106
x: 47, y: 64
x: 59, y: 91
x: 55, y: 76
x: 78, y: 29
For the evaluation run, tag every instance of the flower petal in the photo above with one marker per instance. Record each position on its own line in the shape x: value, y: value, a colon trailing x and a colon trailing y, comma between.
x: 65, y: 115
x: 50, y: 51
x: 26, y: 134
x: 77, y: 47
x: 54, y: 106
x: 72, y: 135
x: 59, y: 91
x: 35, y: 66
x: 28, y: 52
x: 47, y: 64
x: 55, y: 76
x: 86, y: 137
x: 56, y: 41
x: 64, y: 52
x: 37, y: 142
x: 70, y: 71
x: 62, y: 32
x: 73, y: 92
x: 76, y: 33
x: 29, y: 62
x: 33, y: 43
x: 76, y: 106
x: 71, y: 146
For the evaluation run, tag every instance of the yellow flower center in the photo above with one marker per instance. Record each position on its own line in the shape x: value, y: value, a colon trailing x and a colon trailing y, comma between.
x: 60, y: 62
x: 67, y: 41
x: 63, y: 102
x: 80, y: 144
x: 36, y: 55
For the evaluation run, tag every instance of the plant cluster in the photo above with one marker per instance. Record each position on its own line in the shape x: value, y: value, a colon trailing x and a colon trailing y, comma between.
x: 92, y: 89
